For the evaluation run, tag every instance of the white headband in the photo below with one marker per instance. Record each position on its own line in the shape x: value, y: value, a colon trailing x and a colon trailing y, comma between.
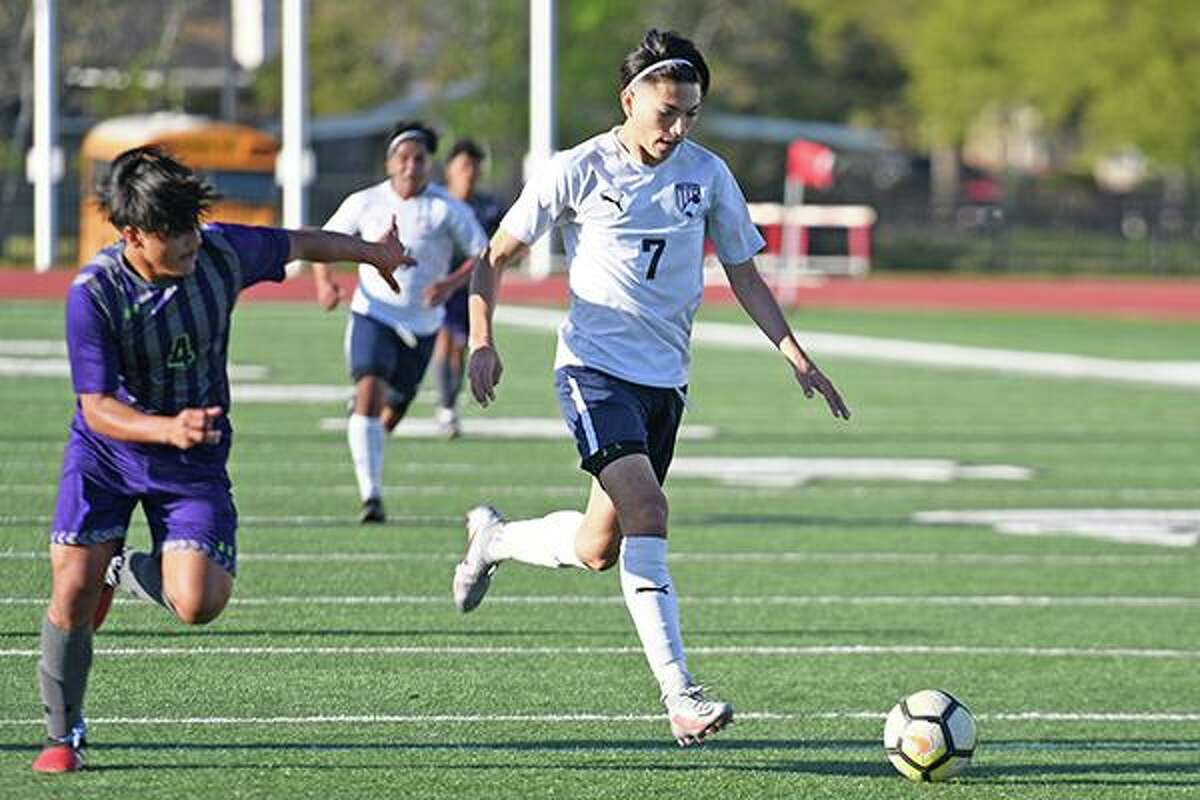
x: 656, y: 66
x: 404, y: 136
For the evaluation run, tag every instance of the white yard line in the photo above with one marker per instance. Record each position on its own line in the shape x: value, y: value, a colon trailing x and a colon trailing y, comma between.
x: 744, y: 716
x: 928, y: 354
x: 595, y: 650
x: 755, y: 557
x: 950, y: 601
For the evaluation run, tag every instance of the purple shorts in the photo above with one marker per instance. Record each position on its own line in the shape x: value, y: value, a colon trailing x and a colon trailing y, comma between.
x: 96, y: 498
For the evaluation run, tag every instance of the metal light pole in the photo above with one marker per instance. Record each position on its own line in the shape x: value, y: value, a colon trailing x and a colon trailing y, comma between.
x: 44, y: 162
x: 294, y: 166
x: 542, y: 133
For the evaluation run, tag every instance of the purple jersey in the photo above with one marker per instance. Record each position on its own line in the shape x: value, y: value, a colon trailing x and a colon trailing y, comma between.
x: 161, y: 347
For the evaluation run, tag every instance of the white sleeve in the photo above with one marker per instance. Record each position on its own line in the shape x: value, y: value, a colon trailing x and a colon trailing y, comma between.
x: 346, y: 218
x: 542, y: 203
x: 468, y: 235
x: 729, y: 227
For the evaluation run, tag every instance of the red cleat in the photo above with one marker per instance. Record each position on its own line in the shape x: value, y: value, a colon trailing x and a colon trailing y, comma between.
x: 58, y: 757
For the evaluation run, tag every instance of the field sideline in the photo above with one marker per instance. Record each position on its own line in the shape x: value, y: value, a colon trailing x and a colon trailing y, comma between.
x: 342, y: 670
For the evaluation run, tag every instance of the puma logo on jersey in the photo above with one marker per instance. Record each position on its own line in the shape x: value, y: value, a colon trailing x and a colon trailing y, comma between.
x: 612, y: 197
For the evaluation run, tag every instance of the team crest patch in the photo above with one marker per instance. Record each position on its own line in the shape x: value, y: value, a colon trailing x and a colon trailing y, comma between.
x: 686, y: 196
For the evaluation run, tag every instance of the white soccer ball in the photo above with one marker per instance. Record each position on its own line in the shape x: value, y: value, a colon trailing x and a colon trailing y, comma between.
x: 929, y: 736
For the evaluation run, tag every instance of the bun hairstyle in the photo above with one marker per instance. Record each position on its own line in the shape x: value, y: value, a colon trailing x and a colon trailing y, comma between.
x: 665, y: 55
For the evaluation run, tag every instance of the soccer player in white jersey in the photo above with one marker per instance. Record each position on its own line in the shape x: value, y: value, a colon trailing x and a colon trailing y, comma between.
x: 390, y: 335
x: 634, y: 205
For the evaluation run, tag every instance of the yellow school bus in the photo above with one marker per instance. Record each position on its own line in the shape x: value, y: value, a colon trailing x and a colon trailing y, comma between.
x: 238, y: 160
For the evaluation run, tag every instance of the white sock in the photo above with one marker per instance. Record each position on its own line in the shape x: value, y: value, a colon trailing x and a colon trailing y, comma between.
x: 650, y: 597
x: 547, y: 541
x: 366, y: 450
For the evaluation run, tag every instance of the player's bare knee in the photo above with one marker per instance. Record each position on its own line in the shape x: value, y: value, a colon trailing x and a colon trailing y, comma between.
x: 198, y: 610
x: 599, y: 561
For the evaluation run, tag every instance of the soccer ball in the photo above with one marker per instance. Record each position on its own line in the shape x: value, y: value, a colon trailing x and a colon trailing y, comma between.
x: 929, y: 736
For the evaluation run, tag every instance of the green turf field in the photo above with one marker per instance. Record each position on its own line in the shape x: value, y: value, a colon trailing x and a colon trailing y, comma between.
x: 341, y: 668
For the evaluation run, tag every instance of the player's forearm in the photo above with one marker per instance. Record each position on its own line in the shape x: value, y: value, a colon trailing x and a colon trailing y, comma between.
x: 108, y: 416
x: 327, y: 246
x: 485, y: 282
x: 756, y: 298
x: 462, y: 276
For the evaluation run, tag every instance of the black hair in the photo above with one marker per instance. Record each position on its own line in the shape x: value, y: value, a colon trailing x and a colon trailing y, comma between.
x: 147, y: 189
x: 662, y: 45
x: 466, y: 147
x: 427, y: 135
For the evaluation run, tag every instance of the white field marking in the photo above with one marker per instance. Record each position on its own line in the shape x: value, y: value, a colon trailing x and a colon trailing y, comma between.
x: 743, y: 716
x: 627, y: 650
x: 1162, y: 527
x: 282, y: 521
x: 928, y: 354
x: 61, y: 368
x: 793, y: 472
x: 907, y: 601
x: 501, y: 428
x: 748, y: 557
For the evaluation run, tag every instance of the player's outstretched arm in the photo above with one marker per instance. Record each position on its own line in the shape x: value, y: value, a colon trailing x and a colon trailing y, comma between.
x: 107, y: 415
x: 485, y: 367
x: 755, y: 296
x: 387, y: 255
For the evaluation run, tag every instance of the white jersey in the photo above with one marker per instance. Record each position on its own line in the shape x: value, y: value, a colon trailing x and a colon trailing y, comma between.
x: 433, y: 226
x: 634, y: 237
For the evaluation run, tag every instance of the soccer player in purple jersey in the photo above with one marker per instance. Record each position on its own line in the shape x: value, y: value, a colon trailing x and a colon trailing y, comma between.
x: 148, y: 323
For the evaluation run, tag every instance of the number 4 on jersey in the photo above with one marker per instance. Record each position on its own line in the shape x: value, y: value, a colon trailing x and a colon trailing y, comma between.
x: 657, y: 245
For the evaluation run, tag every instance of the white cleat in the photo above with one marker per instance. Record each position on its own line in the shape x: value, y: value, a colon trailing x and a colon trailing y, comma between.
x: 694, y: 717
x: 447, y: 423
x: 473, y: 575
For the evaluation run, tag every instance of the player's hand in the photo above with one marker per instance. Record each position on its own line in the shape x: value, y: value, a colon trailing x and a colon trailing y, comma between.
x: 438, y: 292
x: 389, y: 255
x: 329, y: 293
x: 194, y: 426
x: 483, y: 371
x: 812, y: 380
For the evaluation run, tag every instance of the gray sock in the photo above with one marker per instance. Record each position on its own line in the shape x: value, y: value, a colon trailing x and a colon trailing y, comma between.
x: 447, y: 384
x: 63, y: 669
x: 141, y: 576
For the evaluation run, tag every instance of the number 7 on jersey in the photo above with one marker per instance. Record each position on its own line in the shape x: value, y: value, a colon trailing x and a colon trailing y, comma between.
x: 657, y: 245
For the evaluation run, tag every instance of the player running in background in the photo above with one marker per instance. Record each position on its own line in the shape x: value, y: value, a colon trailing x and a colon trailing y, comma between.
x: 462, y: 174
x: 390, y: 336
x: 634, y: 204
x: 148, y: 323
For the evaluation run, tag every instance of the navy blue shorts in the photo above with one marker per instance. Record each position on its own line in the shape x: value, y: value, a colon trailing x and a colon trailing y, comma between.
x: 373, y: 348
x: 456, y: 320
x: 611, y: 418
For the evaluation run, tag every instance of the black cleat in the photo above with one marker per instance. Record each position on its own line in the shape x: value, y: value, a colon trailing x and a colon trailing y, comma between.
x: 372, y: 512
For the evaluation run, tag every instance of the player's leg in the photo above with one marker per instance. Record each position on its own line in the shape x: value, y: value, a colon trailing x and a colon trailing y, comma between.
x: 409, y: 362
x: 370, y: 352
x: 634, y: 484
x: 89, y: 525
x: 448, y: 363
x: 610, y: 424
x: 191, y: 567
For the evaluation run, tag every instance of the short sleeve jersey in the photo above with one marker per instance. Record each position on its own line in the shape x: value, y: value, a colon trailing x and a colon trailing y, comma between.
x: 163, y: 346
x: 634, y: 238
x: 433, y: 226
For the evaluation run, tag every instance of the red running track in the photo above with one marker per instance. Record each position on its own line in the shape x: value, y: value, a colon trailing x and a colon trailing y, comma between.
x: 1167, y: 298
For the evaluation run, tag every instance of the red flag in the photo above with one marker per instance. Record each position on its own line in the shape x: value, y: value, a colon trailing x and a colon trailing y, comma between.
x: 810, y: 164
